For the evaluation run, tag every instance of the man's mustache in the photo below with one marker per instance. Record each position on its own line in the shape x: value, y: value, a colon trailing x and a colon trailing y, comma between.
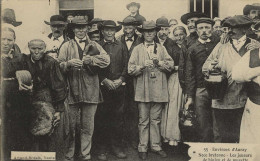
x: 57, y: 32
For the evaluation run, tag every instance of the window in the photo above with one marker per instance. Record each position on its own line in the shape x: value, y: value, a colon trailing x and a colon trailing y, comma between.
x: 209, y: 7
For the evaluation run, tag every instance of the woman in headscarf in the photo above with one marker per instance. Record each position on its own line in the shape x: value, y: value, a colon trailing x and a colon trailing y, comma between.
x: 170, y: 118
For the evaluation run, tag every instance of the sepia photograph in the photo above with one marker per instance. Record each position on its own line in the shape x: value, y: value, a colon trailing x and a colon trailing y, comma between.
x: 130, y: 80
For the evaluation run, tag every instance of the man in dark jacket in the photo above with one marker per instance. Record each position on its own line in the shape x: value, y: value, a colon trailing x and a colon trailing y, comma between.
x: 196, y: 92
x: 130, y: 40
x: 113, y: 90
x: 188, y: 19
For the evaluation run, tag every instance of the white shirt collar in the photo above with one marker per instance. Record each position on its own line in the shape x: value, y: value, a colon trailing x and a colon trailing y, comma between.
x: 204, y: 41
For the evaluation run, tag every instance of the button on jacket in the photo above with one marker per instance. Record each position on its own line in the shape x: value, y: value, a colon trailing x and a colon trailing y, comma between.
x: 197, y: 55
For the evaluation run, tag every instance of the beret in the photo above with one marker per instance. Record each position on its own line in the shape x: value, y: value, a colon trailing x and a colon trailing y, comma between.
x: 205, y: 20
x: 238, y: 21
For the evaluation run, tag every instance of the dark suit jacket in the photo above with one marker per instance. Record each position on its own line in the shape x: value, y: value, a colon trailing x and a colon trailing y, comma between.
x: 137, y: 41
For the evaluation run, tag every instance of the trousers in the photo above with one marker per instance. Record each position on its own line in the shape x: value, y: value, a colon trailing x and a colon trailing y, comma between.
x: 204, y: 115
x: 110, y: 119
x: 149, y: 126
x: 86, y: 112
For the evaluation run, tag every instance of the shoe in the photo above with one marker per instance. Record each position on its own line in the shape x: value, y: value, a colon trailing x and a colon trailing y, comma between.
x: 173, y: 143
x: 142, y: 155
x: 87, y: 157
x: 161, y: 153
x: 120, y: 154
x: 102, y: 157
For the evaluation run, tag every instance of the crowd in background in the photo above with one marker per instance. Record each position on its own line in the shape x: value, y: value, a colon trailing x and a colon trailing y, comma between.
x: 152, y: 85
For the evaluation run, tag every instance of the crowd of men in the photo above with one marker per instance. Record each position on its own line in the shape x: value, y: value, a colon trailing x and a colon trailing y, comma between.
x: 85, y: 82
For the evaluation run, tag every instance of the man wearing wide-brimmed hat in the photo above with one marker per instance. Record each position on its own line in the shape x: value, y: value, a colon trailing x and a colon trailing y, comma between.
x: 148, y: 64
x: 95, y: 23
x: 111, y: 115
x: 189, y: 19
x: 134, y: 7
x: 252, y: 11
x: 224, y: 57
x: 130, y: 40
x: 57, y: 37
x: 81, y: 60
x: 196, y: 91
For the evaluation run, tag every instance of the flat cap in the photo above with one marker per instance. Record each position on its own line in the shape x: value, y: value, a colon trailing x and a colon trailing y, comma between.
x: 238, y: 21
x: 205, y: 20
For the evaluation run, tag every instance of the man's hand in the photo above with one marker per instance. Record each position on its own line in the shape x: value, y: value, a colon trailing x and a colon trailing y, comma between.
x: 109, y: 84
x: 189, y: 103
x: 87, y: 59
x: 56, y: 120
x: 75, y: 63
x: 148, y: 63
x: 253, y: 45
x: 213, y: 65
x: 117, y: 82
x: 23, y: 87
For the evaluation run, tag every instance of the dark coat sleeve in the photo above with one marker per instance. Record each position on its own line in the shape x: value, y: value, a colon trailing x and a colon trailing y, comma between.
x: 182, y: 65
x: 57, y: 86
x: 190, y: 75
x: 124, y: 74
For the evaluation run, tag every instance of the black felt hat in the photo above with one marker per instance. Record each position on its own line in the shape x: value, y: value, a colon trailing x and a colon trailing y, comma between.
x: 185, y: 17
x: 247, y: 8
x: 56, y: 20
x: 110, y: 24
